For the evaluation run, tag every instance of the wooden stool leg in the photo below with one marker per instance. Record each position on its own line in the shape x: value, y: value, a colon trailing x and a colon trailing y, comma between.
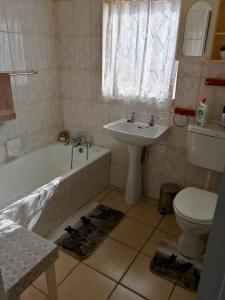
x: 51, y: 282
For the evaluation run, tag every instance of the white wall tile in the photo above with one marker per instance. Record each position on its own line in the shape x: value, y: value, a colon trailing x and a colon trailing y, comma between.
x: 82, y: 53
x: 96, y: 18
x: 82, y: 17
x: 189, y: 68
x: 5, y: 57
x: 187, y: 92
x: 30, y: 42
x: 3, y: 20
x: 175, y: 164
x: 80, y: 34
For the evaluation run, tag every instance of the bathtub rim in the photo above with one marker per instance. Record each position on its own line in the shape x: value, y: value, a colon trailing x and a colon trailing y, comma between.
x: 63, y: 177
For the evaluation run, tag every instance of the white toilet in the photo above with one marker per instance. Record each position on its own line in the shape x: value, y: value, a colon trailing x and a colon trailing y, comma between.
x: 194, y: 208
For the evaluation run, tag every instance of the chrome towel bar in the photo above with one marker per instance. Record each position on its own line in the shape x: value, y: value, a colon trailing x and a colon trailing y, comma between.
x: 17, y: 73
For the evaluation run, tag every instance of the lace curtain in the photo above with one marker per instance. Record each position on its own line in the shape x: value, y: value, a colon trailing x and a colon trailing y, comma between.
x: 139, y: 44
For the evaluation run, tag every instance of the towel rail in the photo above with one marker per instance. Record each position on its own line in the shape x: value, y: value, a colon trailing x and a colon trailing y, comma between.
x: 23, y: 72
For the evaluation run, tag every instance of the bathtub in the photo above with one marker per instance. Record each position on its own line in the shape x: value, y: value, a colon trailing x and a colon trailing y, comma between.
x: 77, y: 186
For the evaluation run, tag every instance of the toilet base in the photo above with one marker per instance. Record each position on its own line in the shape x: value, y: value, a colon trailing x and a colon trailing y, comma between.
x: 190, y: 245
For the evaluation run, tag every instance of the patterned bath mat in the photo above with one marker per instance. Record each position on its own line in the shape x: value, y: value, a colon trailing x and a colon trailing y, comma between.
x: 170, y: 265
x: 83, y: 238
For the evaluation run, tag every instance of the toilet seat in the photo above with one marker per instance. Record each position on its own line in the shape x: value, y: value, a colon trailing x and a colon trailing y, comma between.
x: 195, y: 205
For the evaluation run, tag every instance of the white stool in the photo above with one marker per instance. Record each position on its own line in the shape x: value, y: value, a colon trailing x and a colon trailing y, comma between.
x: 21, y: 265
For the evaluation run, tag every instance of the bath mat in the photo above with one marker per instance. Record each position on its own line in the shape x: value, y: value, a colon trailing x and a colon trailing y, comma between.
x: 170, y: 265
x: 83, y: 238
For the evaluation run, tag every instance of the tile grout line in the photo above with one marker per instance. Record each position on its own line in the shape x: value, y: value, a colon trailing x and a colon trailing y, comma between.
x: 67, y: 275
x: 171, y: 294
x: 131, y: 263
x: 79, y: 262
x: 119, y: 282
x: 138, y: 251
x: 134, y: 259
x: 39, y: 290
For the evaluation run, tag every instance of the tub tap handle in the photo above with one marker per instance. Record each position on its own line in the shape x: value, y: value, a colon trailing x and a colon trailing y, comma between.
x: 75, y: 141
x: 152, y: 121
x: 132, y: 118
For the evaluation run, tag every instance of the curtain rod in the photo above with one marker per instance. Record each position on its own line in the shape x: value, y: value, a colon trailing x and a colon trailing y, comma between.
x: 23, y: 72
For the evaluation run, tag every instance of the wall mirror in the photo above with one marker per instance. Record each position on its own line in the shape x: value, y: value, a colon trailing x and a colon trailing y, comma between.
x: 197, y: 28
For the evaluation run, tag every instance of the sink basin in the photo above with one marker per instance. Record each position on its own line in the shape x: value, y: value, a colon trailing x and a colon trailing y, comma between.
x: 137, y: 133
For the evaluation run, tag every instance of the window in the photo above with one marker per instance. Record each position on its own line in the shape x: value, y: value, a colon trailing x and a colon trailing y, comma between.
x: 139, y: 45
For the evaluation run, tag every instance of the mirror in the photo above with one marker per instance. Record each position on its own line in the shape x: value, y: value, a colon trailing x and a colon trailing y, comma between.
x: 197, y: 28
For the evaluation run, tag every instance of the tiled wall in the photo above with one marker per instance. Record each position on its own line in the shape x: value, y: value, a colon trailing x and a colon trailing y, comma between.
x: 28, y: 40
x: 85, y: 111
x: 71, y: 56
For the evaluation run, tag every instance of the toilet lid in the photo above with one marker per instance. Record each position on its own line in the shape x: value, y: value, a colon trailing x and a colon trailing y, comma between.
x: 195, y: 204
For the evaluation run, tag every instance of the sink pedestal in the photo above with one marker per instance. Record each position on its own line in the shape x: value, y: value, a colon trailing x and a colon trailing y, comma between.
x: 136, y: 135
x: 134, y: 181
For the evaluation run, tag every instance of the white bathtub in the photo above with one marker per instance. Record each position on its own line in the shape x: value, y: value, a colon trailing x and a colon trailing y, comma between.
x: 25, y: 174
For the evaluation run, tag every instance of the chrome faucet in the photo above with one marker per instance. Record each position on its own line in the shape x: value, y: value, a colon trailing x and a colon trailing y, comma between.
x: 75, y: 141
x: 132, y: 118
x: 88, y: 145
x: 152, y: 121
x: 78, y: 141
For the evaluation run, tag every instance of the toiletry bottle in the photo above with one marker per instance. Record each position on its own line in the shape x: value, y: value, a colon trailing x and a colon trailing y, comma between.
x: 202, y: 113
x: 223, y: 118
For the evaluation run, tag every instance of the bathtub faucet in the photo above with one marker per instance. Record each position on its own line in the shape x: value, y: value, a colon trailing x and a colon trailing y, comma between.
x: 78, y: 141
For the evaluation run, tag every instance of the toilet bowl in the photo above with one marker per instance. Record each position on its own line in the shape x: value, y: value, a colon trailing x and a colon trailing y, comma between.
x: 194, y: 210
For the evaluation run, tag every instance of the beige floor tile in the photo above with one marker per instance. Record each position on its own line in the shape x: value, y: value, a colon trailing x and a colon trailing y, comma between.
x: 111, y: 258
x: 150, y: 201
x: 116, y: 200
x: 64, y: 265
x: 169, y: 225
x: 102, y: 194
x: 182, y: 294
x: 121, y: 293
x: 85, y: 284
x: 132, y: 233
x: 145, y: 213
x: 154, y: 240
x: 140, y: 279
x: 32, y: 294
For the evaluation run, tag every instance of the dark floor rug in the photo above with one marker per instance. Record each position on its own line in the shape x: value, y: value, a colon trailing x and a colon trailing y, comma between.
x: 83, y: 238
x: 170, y: 265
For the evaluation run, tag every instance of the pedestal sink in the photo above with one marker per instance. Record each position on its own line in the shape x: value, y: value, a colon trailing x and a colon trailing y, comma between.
x: 136, y: 135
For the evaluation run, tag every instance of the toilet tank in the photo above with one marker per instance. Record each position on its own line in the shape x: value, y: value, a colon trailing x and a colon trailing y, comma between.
x: 206, y: 147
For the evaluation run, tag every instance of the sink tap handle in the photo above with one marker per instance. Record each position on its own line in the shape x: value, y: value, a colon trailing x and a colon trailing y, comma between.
x: 152, y: 121
x: 132, y: 118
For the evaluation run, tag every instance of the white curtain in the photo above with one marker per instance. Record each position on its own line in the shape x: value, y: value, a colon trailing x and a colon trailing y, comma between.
x: 139, y: 45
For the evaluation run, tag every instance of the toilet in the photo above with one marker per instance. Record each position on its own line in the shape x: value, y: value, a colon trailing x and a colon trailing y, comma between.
x: 194, y: 208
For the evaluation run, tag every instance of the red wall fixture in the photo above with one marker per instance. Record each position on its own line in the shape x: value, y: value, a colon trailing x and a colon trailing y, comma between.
x: 215, y: 82
x: 184, y: 111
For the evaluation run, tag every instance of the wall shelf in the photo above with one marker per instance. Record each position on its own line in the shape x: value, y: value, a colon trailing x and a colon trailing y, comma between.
x: 219, y: 35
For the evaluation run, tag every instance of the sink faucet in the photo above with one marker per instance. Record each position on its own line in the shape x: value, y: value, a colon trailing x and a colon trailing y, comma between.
x: 132, y: 118
x: 152, y: 121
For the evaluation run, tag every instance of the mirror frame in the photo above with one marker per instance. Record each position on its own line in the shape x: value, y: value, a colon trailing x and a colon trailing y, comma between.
x: 185, y: 6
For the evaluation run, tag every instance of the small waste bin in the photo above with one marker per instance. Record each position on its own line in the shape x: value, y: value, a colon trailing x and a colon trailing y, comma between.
x: 168, y: 192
